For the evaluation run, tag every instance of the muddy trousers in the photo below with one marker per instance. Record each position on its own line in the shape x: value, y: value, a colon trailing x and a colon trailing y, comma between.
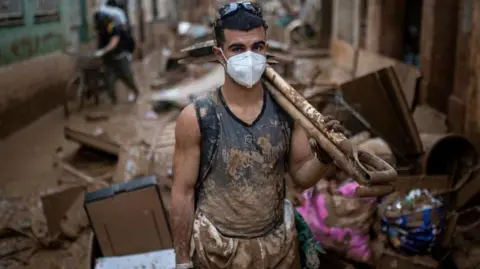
x: 119, y: 68
x: 278, y: 249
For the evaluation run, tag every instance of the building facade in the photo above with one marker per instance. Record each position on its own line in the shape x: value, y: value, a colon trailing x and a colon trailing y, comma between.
x: 33, y: 71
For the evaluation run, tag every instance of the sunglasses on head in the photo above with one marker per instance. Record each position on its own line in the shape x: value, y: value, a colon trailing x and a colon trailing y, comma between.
x: 231, y: 8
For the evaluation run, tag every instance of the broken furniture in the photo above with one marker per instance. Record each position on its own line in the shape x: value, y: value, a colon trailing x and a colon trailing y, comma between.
x: 129, y: 218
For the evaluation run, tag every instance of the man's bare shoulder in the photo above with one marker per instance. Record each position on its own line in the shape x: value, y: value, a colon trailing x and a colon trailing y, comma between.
x: 187, y: 129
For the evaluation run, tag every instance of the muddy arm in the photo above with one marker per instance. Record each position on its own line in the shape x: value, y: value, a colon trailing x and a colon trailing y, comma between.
x: 187, y: 155
x: 305, y: 168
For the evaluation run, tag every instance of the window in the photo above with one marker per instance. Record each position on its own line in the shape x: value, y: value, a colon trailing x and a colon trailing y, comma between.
x: 11, y: 12
x: 47, y: 10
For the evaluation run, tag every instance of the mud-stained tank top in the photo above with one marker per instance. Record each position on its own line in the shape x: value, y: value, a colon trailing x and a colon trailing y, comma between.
x: 243, y: 192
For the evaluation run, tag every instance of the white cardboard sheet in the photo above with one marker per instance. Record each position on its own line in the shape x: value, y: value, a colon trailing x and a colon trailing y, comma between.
x: 163, y: 259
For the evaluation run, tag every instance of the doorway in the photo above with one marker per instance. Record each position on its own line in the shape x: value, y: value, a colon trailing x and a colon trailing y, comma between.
x: 412, y: 32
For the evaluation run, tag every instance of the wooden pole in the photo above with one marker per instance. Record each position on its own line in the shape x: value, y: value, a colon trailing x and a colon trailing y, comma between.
x: 340, y: 160
x: 363, y: 166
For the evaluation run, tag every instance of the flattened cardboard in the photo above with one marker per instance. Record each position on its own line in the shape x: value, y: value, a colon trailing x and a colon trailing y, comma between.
x: 57, y: 204
x: 129, y: 218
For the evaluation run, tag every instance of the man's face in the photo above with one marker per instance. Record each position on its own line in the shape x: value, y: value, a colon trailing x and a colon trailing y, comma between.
x: 237, y: 42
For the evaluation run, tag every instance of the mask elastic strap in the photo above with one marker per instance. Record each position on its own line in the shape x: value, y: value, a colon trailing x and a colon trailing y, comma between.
x: 224, y: 64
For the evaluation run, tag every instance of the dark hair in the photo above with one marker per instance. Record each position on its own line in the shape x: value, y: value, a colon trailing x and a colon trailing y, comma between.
x: 241, y: 21
x: 112, y: 3
x: 101, y: 20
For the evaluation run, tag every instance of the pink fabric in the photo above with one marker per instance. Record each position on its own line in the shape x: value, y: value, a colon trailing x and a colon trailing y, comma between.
x: 314, y: 210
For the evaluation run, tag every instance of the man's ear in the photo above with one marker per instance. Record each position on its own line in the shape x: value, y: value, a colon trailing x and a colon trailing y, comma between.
x: 218, y: 53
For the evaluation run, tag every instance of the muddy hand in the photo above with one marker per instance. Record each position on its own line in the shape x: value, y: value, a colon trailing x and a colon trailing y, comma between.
x: 331, y: 124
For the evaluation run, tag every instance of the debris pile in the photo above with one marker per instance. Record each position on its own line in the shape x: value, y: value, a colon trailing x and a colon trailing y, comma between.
x: 24, y: 229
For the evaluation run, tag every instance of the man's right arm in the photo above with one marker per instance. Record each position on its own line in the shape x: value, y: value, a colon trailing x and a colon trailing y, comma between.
x: 186, y: 166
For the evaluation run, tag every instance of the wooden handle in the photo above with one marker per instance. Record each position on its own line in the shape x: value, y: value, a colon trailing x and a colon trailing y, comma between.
x: 364, y: 167
x: 302, y: 105
x: 338, y: 156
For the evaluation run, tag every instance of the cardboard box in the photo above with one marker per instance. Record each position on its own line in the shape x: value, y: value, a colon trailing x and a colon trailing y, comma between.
x: 129, y: 218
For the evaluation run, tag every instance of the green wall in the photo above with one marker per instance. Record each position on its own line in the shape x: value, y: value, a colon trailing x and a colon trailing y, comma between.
x: 31, y: 39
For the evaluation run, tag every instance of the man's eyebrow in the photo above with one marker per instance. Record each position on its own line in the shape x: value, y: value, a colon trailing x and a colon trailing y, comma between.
x: 259, y: 43
x: 236, y: 45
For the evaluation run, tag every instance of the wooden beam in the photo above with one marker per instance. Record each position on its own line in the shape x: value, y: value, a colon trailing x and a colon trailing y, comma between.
x: 326, y: 23
x: 385, y: 31
x: 472, y: 125
x: 437, y: 50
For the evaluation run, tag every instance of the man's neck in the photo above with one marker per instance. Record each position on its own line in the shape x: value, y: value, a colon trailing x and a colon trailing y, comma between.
x: 238, y: 95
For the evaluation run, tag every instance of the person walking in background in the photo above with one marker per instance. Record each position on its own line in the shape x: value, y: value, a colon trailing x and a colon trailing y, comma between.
x: 115, y: 46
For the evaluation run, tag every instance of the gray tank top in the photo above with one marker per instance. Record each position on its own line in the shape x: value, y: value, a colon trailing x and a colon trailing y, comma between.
x: 243, y: 192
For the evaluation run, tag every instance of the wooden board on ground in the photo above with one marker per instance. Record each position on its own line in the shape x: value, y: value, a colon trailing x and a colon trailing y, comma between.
x: 123, y: 124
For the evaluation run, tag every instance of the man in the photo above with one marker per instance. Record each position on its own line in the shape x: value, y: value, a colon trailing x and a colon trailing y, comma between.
x: 228, y: 208
x: 115, y: 47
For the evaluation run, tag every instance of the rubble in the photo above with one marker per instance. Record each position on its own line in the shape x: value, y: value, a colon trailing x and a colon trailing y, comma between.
x: 25, y: 230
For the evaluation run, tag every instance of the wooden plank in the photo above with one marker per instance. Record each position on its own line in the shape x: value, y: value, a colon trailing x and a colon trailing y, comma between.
x: 385, y: 31
x: 472, y: 125
x: 437, y: 46
x: 91, y: 141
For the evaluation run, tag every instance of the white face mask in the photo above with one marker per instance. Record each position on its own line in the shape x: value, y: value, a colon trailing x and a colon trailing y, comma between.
x: 246, y: 68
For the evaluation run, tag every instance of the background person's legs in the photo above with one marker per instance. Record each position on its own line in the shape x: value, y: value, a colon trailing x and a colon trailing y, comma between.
x: 125, y: 73
x: 110, y: 80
